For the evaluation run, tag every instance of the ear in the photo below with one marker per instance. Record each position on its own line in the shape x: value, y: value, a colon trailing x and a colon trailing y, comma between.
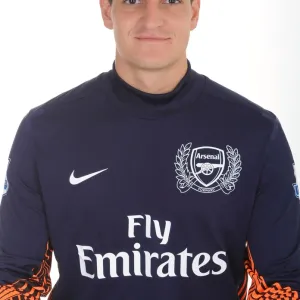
x: 195, y: 13
x: 106, y: 13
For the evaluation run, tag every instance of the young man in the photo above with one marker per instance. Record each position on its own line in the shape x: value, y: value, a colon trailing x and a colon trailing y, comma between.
x: 150, y: 181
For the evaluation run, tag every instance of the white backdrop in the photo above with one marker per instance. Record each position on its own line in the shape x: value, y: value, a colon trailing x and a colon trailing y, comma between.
x: 48, y: 47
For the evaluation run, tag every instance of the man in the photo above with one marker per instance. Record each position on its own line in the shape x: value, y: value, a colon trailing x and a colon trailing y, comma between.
x: 150, y: 181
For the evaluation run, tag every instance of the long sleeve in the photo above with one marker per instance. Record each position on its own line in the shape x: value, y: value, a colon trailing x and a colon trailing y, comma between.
x: 25, y: 249
x: 272, y: 255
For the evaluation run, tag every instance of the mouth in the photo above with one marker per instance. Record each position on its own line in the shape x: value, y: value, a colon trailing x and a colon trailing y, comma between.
x: 152, y: 39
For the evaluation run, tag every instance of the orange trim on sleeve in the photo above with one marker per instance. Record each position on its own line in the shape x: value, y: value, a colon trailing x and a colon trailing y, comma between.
x: 242, y: 292
x: 34, y: 287
x: 259, y: 290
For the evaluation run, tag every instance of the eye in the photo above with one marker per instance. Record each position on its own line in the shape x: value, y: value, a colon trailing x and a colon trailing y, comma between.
x: 174, y: 1
x: 130, y: 1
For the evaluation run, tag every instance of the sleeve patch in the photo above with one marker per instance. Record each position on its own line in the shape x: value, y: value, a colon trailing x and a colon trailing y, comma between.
x: 295, y: 185
x: 6, y: 183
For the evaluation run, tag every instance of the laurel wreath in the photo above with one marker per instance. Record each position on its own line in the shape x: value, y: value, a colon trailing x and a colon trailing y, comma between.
x: 183, y: 175
x: 233, y: 172
x: 227, y: 180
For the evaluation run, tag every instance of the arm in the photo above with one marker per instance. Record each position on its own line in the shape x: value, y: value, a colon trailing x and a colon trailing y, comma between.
x: 272, y: 256
x: 25, y: 249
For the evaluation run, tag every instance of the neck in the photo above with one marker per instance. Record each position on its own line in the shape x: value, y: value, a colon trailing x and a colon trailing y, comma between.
x: 155, y: 81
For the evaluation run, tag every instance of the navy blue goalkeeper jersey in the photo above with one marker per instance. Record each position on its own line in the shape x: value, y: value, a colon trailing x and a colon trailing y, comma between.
x: 179, y: 196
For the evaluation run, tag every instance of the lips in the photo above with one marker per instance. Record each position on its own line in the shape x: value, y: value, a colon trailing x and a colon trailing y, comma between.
x: 149, y: 37
x: 153, y: 40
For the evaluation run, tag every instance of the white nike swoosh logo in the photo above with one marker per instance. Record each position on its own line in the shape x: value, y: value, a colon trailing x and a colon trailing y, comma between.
x: 74, y: 180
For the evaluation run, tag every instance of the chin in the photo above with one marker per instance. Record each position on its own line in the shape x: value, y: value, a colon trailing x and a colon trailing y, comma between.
x: 152, y: 62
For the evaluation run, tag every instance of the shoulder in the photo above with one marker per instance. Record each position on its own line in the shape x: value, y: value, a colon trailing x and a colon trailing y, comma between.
x: 236, y: 109
x: 72, y: 103
x: 67, y: 110
x: 70, y: 98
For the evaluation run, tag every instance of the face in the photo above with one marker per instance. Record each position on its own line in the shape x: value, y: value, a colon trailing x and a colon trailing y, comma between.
x: 151, y: 33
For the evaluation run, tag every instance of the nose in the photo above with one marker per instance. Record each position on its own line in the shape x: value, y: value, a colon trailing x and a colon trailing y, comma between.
x: 152, y: 15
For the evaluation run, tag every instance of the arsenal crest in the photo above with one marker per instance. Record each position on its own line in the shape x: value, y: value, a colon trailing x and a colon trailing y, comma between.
x: 202, y: 169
